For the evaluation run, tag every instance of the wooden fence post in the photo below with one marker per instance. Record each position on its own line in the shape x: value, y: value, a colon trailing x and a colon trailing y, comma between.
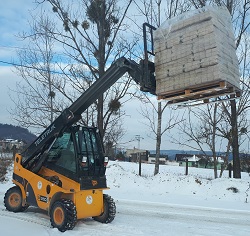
x: 139, y: 164
x: 230, y: 170
x: 186, y: 167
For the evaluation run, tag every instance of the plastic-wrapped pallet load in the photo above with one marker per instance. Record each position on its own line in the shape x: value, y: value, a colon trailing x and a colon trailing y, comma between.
x: 195, y: 56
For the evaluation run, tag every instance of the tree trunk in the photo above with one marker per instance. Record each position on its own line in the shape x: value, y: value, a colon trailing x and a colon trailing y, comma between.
x: 100, y: 57
x: 214, y: 140
x: 225, y: 163
x: 100, y: 116
x: 235, y: 141
x: 158, y: 140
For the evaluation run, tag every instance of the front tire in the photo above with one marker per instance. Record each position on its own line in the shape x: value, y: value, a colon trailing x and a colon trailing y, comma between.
x: 109, y: 210
x: 63, y: 215
x: 13, y: 200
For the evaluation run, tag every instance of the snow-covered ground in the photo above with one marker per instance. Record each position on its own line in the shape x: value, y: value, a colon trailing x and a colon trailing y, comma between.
x: 169, y: 203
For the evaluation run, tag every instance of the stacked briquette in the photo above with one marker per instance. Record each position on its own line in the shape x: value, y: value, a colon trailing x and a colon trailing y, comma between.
x: 195, y: 55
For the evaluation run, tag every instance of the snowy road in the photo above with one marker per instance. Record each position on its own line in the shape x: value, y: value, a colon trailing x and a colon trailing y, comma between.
x: 137, y: 218
x: 183, y: 220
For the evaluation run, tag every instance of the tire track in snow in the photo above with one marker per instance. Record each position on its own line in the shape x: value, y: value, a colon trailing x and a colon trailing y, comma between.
x: 27, y: 217
x: 183, y: 213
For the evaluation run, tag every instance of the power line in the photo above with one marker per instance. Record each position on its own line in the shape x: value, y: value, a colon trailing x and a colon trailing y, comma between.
x: 30, y: 67
x: 38, y: 69
x: 23, y: 48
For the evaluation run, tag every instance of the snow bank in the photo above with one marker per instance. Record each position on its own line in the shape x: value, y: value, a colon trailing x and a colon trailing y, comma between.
x: 171, y: 185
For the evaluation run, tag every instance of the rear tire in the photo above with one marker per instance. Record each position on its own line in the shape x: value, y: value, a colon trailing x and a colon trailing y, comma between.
x: 13, y: 200
x: 109, y: 210
x: 63, y: 215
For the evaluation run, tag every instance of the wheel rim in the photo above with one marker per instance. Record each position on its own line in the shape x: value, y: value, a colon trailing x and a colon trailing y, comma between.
x: 58, y: 215
x: 14, y: 200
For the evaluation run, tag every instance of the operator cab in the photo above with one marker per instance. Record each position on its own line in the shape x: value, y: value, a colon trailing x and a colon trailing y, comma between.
x: 78, y: 155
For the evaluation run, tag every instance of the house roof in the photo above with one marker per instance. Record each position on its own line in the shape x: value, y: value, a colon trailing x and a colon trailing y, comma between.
x: 194, y: 158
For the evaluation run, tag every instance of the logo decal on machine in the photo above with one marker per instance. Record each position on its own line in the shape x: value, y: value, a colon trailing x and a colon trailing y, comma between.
x: 39, y: 184
x: 43, y: 199
x: 89, y: 199
x: 94, y: 182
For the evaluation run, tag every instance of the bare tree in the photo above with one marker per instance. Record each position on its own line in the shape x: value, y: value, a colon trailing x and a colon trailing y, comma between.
x: 224, y: 130
x: 153, y: 114
x: 240, y: 12
x: 90, y: 33
x: 152, y: 11
x: 38, y: 102
x: 199, y: 131
x: 89, y: 36
x: 207, y: 128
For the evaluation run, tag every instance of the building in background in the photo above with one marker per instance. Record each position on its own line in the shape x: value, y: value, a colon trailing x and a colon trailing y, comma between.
x: 199, y: 161
x: 9, y: 145
x: 163, y: 159
x: 133, y: 155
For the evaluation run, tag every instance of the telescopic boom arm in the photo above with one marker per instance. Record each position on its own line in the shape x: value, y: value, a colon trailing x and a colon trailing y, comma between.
x: 142, y: 74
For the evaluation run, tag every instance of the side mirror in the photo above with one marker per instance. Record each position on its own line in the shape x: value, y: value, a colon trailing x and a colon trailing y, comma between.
x: 106, y: 160
x: 84, y: 161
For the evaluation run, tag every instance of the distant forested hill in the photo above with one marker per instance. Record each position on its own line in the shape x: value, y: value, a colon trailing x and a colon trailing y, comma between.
x: 15, y: 132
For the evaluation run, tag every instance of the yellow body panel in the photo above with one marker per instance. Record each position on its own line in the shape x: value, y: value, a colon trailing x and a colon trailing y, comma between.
x: 89, y: 203
x: 36, y: 186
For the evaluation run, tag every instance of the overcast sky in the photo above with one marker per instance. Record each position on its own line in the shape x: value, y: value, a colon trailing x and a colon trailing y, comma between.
x: 14, y: 16
x: 13, y: 20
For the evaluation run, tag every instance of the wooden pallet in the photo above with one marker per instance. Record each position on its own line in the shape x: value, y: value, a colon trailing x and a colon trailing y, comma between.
x: 203, y: 92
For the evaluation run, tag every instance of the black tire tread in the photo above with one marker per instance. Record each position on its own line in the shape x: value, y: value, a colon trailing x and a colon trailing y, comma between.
x: 109, y: 210
x: 70, y: 215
